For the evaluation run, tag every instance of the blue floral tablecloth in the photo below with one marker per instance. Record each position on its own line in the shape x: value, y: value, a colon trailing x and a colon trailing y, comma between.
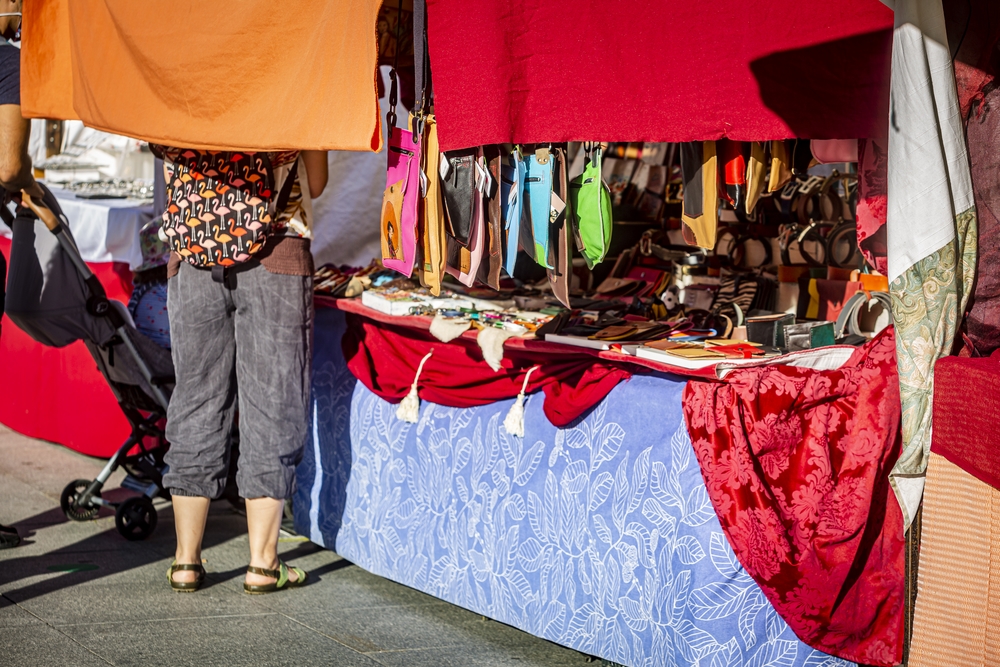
x: 600, y: 537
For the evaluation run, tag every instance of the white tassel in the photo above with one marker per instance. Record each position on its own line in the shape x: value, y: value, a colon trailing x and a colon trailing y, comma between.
x: 409, y: 407
x: 514, y: 421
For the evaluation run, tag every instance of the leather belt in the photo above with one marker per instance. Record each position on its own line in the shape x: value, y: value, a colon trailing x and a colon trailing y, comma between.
x: 847, y: 321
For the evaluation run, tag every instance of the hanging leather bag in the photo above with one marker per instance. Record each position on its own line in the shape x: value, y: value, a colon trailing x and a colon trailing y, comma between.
x: 464, y: 260
x: 590, y: 208
x: 511, y: 198
x: 458, y: 185
x: 538, y: 188
x: 399, y: 203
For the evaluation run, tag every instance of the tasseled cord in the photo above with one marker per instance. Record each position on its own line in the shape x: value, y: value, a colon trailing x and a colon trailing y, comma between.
x: 409, y: 407
x: 514, y: 422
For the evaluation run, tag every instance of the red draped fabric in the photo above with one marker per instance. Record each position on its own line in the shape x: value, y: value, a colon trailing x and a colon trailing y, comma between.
x: 385, y: 359
x: 965, y: 422
x: 796, y: 462
x: 528, y: 71
x: 57, y: 394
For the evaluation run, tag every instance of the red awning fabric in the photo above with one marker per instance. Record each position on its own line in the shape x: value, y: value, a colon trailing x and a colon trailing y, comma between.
x: 530, y: 71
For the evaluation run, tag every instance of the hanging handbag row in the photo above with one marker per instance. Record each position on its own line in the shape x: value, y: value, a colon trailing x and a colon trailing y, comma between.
x: 472, y: 213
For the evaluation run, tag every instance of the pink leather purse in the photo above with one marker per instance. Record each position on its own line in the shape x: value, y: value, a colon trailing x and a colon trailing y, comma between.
x: 399, y: 203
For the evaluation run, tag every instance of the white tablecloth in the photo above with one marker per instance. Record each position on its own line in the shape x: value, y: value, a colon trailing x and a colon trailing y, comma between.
x: 106, y: 230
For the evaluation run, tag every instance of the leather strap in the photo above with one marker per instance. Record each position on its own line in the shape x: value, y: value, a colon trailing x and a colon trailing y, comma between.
x: 275, y: 574
x: 192, y: 567
x: 489, y: 269
x: 390, y: 116
x: 421, y: 61
x: 286, y: 188
x: 816, y: 190
x: 846, y: 227
x: 722, y: 232
x: 738, y: 259
x: 560, y: 276
x: 812, y: 234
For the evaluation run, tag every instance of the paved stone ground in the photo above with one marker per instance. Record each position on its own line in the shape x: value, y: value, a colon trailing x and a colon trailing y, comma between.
x: 78, y: 594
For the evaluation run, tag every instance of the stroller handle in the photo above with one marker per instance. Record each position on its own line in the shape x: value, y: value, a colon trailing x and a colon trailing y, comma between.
x: 49, y: 218
x: 43, y: 212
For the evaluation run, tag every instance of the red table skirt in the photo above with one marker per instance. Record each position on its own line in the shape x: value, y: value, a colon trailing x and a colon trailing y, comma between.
x: 57, y: 394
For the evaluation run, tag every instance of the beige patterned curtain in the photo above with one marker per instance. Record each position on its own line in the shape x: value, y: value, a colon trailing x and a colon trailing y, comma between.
x: 931, y: 225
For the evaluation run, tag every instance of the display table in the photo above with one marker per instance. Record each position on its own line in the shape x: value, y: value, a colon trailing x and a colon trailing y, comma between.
x: 600, y: 537
x: 58, y: 394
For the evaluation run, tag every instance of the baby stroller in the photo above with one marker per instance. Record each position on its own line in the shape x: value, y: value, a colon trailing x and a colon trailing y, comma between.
x: 54, y: 297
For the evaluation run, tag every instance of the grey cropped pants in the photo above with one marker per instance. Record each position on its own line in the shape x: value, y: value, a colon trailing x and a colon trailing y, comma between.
x: 253, y: 344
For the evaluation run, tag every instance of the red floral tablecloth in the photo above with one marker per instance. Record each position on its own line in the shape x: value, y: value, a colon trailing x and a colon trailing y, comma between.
x: 796, y: 462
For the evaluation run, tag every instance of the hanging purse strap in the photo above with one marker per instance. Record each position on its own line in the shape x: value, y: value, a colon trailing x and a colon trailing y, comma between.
x: 421, y: 67
x: 390, y: 116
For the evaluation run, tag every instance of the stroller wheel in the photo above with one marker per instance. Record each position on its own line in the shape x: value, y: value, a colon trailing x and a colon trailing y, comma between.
x: 67, y: 501
x: 135, y: 518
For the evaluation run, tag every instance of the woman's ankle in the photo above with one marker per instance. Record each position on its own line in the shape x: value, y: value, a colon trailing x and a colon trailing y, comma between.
x: 265, y: 562
x: 187, y: 557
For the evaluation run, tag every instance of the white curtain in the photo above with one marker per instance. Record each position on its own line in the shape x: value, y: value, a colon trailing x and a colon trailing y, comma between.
x: 931, y: 224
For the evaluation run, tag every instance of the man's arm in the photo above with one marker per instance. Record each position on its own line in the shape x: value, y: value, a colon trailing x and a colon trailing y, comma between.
x: 15, y: 164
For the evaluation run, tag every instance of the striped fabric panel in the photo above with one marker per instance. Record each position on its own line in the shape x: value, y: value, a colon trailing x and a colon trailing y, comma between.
x: 957, y: 616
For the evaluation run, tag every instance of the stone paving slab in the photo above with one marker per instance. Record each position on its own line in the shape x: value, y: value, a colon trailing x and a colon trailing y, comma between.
x: 79, y: 594
x: 257, y: 640
x: 44, y: 646
x: 12, y: 615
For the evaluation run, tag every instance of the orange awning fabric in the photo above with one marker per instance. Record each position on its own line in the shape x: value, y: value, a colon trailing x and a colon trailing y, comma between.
x: 253, y: 75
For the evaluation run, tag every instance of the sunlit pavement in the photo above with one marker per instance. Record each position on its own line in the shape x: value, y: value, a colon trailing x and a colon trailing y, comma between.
x: 78, y: 594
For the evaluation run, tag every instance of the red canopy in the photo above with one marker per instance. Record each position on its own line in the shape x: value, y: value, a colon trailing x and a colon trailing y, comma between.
x: 531, y: 71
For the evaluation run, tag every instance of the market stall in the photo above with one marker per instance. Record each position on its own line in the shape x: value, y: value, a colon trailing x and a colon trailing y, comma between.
x: 585, y: 535
x: 534, y: 531
x: 639, y: 396
x: 399, y: 490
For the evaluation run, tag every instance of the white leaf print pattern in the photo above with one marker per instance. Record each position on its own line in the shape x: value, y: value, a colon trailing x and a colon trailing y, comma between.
x: 715, y: 600
x: 594, y: 537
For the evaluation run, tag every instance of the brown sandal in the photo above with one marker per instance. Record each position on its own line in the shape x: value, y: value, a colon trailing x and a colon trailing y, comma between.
x: 186, y: 586
x: 281, y: 576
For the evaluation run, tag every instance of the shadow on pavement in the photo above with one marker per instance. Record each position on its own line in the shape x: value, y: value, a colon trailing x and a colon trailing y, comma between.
x: 100, y: 555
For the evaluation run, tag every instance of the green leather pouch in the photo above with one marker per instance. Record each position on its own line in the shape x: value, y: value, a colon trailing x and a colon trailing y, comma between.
x: 590, y: 210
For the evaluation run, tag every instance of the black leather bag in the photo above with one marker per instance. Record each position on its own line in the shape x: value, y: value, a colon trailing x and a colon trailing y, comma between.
x: 458, y: 184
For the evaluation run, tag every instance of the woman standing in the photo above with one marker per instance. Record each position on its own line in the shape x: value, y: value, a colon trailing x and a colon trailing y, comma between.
x: 244, y: 339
